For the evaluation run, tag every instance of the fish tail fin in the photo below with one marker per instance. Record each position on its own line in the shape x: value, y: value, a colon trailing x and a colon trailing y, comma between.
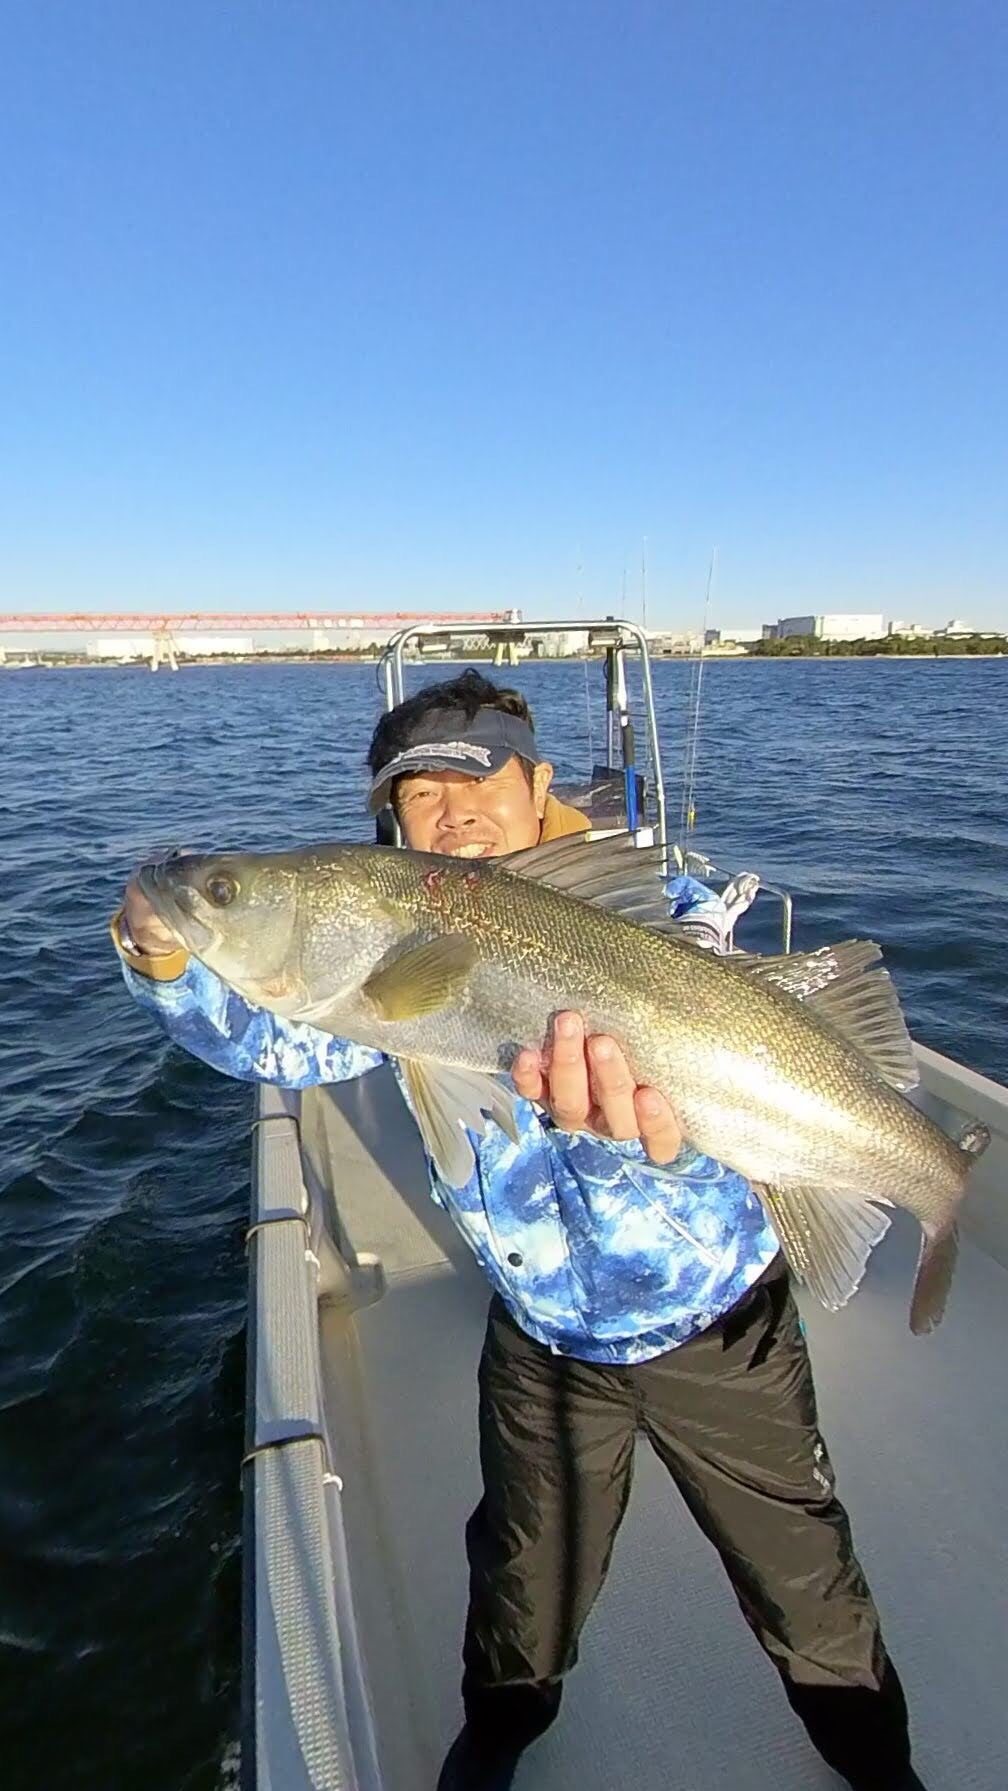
x: 940, y: 1245
x: 939, y: 1249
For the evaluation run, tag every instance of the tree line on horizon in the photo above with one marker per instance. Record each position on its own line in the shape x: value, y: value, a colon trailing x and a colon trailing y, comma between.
x: 800, y: 646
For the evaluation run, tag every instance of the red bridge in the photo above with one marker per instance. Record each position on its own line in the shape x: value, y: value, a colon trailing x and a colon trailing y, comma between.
x: 232, y: 621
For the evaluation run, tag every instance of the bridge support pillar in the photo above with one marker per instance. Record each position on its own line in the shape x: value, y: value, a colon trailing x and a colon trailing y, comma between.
x: 163, y: 653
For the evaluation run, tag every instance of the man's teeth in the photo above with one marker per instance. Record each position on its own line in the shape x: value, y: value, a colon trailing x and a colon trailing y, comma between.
x: 467, y: 852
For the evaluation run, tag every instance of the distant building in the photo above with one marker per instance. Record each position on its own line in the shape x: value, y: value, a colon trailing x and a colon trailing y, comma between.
x: 742, y: 636
x: 569, y: 644
x: 212, y: 646
x: 354, y: 638
x: 141, y: 646
x: 911, y: 630
x: 837, y: 627
x: 789, y: 625
x: 121, y: 646
x: 660, y: 642
x: 851, y: 627
x: 951, y: 629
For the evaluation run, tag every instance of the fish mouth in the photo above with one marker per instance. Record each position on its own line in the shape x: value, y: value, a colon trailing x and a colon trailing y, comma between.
x: 177, y: 902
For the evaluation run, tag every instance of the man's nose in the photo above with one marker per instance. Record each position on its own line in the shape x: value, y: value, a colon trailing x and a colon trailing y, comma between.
x: 458, y: 807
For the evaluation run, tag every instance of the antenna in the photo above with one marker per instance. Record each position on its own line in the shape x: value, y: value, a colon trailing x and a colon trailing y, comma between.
x: 584, y: 662
x: 687, y: 819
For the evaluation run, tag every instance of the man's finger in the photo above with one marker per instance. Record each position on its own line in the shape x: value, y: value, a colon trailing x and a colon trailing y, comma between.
x: 568, y: 1073
x: 613, y: 1087
x: 597, y: 1122
x: 526, y: 1073
x: 659, y: 1128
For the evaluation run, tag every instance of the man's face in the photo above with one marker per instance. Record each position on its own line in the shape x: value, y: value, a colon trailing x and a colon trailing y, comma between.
x: 473, y: 817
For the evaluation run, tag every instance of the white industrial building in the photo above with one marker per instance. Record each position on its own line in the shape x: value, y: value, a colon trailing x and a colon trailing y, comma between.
x: 568, y: 645
x: 212, y: 646
x: 354, y: 637
x: 121, y: 646
x: 743, y: 636
x: 836, y: 627
x: 193, y: 646
x: 661, y: 642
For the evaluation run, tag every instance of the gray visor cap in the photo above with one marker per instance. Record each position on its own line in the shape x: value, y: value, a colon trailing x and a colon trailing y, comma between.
x: 445, y: 741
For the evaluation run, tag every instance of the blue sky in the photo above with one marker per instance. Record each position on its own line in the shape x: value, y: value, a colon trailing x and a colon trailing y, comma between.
x: 313, y: 303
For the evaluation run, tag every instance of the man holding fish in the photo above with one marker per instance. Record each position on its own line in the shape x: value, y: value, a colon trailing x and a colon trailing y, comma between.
x: 626, y: 1129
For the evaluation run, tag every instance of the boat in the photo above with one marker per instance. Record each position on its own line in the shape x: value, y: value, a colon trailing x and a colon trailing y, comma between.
x: 366, y: 1318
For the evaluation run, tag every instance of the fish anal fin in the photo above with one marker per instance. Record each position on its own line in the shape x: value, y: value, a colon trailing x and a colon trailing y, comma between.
x: 421, y: 979
x: 827, y: 1238
x: 448, y: 1102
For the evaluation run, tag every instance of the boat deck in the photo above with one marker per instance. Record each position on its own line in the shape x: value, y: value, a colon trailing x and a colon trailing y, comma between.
x: 671, y: 1690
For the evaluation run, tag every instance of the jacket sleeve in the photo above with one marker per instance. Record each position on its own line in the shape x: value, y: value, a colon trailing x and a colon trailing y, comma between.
x: 707, y: 917
x: 204, y: 1016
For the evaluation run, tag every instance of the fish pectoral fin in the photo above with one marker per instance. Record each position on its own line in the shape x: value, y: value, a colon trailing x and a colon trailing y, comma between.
x: 846, y: 987
x: 422, y: 979
x: 448, y: 1102
x: 827, y: 1238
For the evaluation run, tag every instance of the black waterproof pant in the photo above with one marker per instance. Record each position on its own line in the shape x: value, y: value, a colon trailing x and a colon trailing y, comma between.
x: 732, y: 1415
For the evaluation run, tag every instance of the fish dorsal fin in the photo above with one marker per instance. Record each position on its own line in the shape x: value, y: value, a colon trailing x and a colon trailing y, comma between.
x: 613, y: 872
x: 827, y: 1238
x: 448, y: 1103
x: 421, y: 979
x: 804, y: 973
x: 845, y: 987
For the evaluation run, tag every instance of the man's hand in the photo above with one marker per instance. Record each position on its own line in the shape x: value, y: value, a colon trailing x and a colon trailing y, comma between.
x: 586, y: 1085
x: 150, y: 934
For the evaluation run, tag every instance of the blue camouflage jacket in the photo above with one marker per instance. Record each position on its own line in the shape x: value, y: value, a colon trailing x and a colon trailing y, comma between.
x: 596, y: 1252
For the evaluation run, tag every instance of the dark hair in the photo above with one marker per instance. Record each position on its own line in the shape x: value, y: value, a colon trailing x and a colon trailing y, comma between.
x: 466, y: 693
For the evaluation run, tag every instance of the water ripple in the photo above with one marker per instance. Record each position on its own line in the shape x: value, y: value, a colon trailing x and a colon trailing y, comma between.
x: 873, y: 790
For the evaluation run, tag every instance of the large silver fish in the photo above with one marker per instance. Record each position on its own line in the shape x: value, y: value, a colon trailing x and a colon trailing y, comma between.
x: 790, y: 1070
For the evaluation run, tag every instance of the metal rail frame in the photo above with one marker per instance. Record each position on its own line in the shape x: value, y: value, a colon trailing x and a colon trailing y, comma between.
x: 605, y: 631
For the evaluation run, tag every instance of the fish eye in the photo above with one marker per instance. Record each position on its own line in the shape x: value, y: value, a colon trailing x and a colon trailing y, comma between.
x: 221, y: 889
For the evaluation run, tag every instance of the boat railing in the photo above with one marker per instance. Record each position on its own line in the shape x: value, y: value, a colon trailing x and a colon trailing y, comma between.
x: 613, y: 634
x: 306, y: 1717
x: 697, y: 864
